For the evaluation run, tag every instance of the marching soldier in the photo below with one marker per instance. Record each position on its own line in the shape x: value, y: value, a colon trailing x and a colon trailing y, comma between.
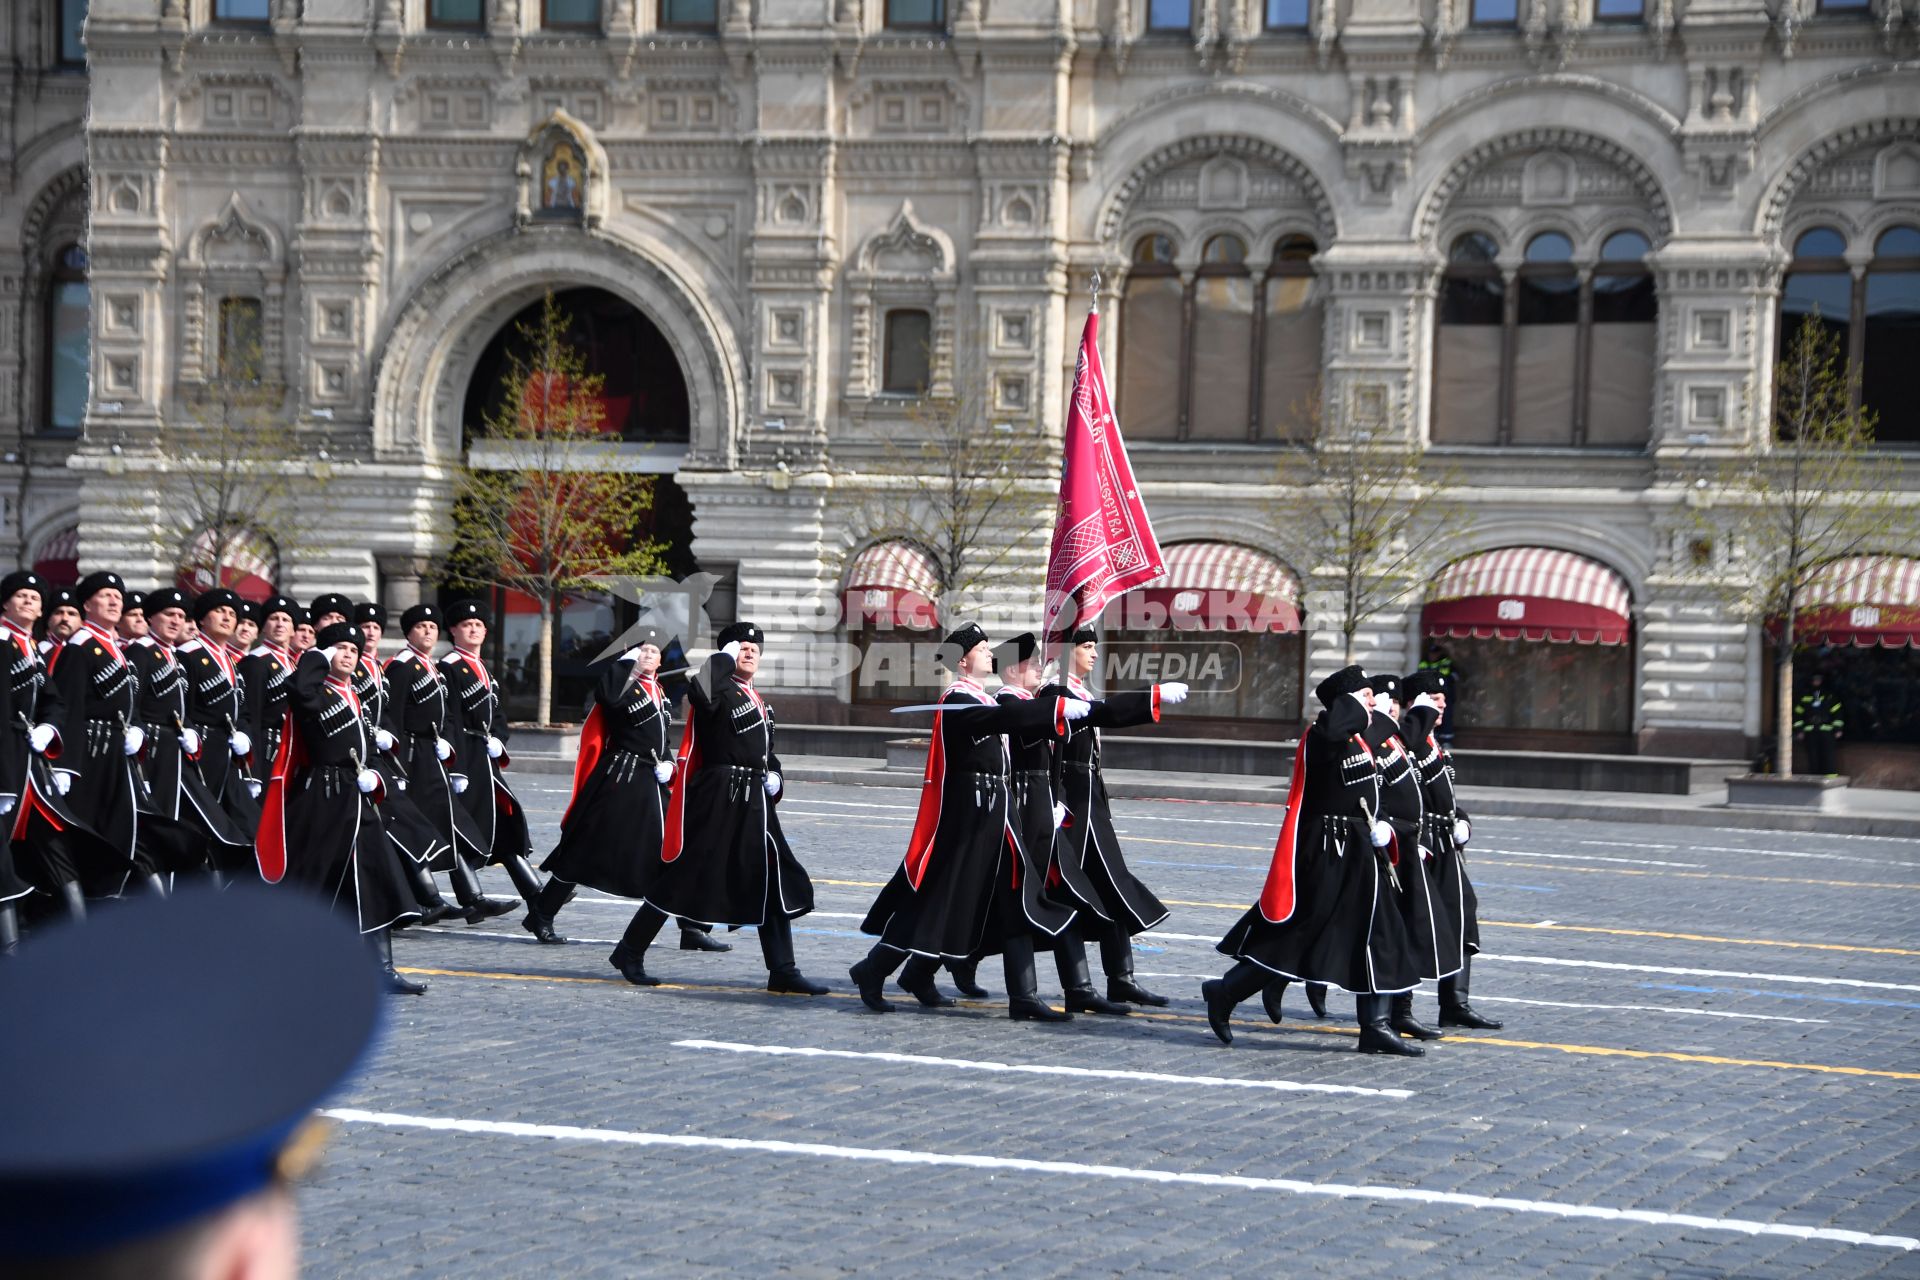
x: 214, y: 704
x: 417, y: 714
x: 321, y: 823
x: 477, y: 726
x: 1820, y: 721
x: 723, y: 858
x: 418, y: 840
x: 1092, y: 870
x: 1326, y: 913
x: 21, y: 594
x: 266, y: 675
x: 328, y: 609
x: 959, y: 890
x: 63, y: 619
x: 133, y: 619
x: 246, y: 629
x: 1447, y: 833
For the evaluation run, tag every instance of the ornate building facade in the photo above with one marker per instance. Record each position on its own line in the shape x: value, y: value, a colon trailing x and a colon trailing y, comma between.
x: 1551, y: 241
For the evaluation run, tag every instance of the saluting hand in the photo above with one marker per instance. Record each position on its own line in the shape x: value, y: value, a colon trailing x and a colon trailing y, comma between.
x: 1173, y: 693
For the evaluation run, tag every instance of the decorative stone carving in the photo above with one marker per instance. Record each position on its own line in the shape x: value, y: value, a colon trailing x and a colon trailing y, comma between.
x: 562, y: 172
x: 905, y: 263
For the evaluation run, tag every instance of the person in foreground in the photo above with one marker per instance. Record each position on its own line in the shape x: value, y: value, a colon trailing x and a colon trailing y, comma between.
x: 244, y: 1010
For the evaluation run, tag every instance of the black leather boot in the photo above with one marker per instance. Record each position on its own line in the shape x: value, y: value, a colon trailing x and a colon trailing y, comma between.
x: 1375, y: 1035
x: 398, y: 985
x: 466, y: 890
x: 869, y: 974
x: 1116, y: 957
x: 1454, y: 1009
x: 629, y: 956
x: 1270, y: 998
x: 783, y: 975
x: 965, y: 981
x: 917, y: 981
x: 1317, y: 998
x: 544, y: 906
x: 699, y: 937
x: 1224, y: 993
x: 433, y: 907
x: 73, y: 899
x: 1078, y: 981
x: 1023, y: 985
x: 527, y: 882
x: 9, y: 929
x: 1400, y: 1018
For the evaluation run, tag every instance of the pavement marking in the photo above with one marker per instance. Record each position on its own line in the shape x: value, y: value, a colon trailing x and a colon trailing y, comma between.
x: 1657, y: 1008
x: 1040, y: 1069
x: 1143, y: 1015
x: 1778, y: 995
x: 1707, y: 875
x: 1582, y: 857
x: 1679, y: 971
x: 1076, y: 1169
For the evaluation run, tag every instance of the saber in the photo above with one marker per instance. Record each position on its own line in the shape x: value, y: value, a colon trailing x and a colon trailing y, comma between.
x: 946, y: 706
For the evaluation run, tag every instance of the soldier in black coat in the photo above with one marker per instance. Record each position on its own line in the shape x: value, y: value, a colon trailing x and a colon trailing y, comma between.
x: 961, y: 889
x: 416, y: 713
x: 1447, y: 832
x: 21, y: 595
x: 1327, y: 912
x: 183, y: 827
x: 266, y: 675
x: 214, y: 705
x: 724, y: 859
x: 1092, y: 870
x: 321, y: 825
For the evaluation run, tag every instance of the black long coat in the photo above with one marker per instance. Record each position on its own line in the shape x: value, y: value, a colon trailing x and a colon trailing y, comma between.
x: 415, y: 712
x: 724, y: 859
x: 957, y: 893
x: 1435, y: 765
x: 1035, y: 773
x: 184, y: 827
x: 611, y: 834
x: 214, y: 707
x: 319, y: 830
x: 1089, y: 864
x: 96, y: 688
x: 20, y: 687
x: 412, y: 832
x: 1403, y: 805
x: 475, y: 713
x: 1327, y: 912
x: 266, y: 678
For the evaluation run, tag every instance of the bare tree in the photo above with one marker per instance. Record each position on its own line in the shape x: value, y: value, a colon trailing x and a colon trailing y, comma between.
x: 548, y: 509
x: 964, y: 491
x: 1792, y: 506
x: 1359, y: 507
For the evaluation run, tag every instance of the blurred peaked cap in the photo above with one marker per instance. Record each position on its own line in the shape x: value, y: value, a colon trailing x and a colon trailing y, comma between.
x: 160, y: 1055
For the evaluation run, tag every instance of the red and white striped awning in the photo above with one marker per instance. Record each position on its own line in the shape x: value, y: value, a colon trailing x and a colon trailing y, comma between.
x: 1213, y: 586
x: 891, y: 584
x: 249, y: 566
x: 1863, y: 601
x: 1531, y: 593
x: 58, y: 558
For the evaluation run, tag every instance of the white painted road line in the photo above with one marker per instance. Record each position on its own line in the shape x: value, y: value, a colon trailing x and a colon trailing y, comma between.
x: 1475, y: 851
x: 1074, y: 1169
x: 1648, y: 1008
x: 1694, y: 973
x: 1041, y: 1069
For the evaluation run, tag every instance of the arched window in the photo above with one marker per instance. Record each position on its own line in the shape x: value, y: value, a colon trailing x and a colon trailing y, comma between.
x: 1890, y: 378
x: 1620, y: 348
x: 1152, y: 321
x: 1818, y: 288
x: 68, y: 344
x: 909, y: 353
x: 1222, y: 354
x: 73, y: 18
x: 1290, y: 342
x: 1468, y: 403
x: 1546, y: 345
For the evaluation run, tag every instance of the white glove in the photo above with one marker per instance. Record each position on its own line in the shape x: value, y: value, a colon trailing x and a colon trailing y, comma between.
x: 495, y: 748
x: 663, y: 772
x: 1075, y: 708
x: 773, y: 784
x: 382, y: 740
x: 62, y: 781
x: 1426, y: 700
x: 242, y: 744
x: 1059, y: 814
x: 443, y: 748
x: 6, y: 805
x: 1382, y: 833
x: 254, y: 787
x: 732, y: 649
x: 401, y: 783
x: 40, y: 737
x: 459, y: 781
x: 136, y: 738
x: 368, y: 781
x: 190, y: 741
x: 1426, y: 854
x: 1461, y: 831
x: 1173, y: 692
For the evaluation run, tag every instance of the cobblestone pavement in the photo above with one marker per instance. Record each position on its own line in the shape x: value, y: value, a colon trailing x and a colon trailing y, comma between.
x: 1709, y: 1067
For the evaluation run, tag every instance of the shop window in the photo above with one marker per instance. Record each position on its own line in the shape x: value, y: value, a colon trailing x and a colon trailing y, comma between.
x: 73, y: 19
x: 570, y: 15
x: 1169, y: 17
x: 909, y: 353
x: 1287, y: 15
x: 69, y: 341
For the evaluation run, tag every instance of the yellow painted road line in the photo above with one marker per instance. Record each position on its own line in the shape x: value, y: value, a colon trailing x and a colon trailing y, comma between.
x: 1593, y: 1050
x: 1705, y: 875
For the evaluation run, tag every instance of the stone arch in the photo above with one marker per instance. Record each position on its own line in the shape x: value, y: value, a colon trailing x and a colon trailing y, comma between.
x: 56, y: 217
x: 1631, y: 559
x: 1435, y: 204
x: 1799, y: 176
x: 1210, y: 148
x: 1602, y: 92
x: 429, y: 351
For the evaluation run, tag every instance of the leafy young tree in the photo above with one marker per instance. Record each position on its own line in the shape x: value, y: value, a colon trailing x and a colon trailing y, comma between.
x: 1357, y: 508
x: 1791, y: 506
x: 546, y: 512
